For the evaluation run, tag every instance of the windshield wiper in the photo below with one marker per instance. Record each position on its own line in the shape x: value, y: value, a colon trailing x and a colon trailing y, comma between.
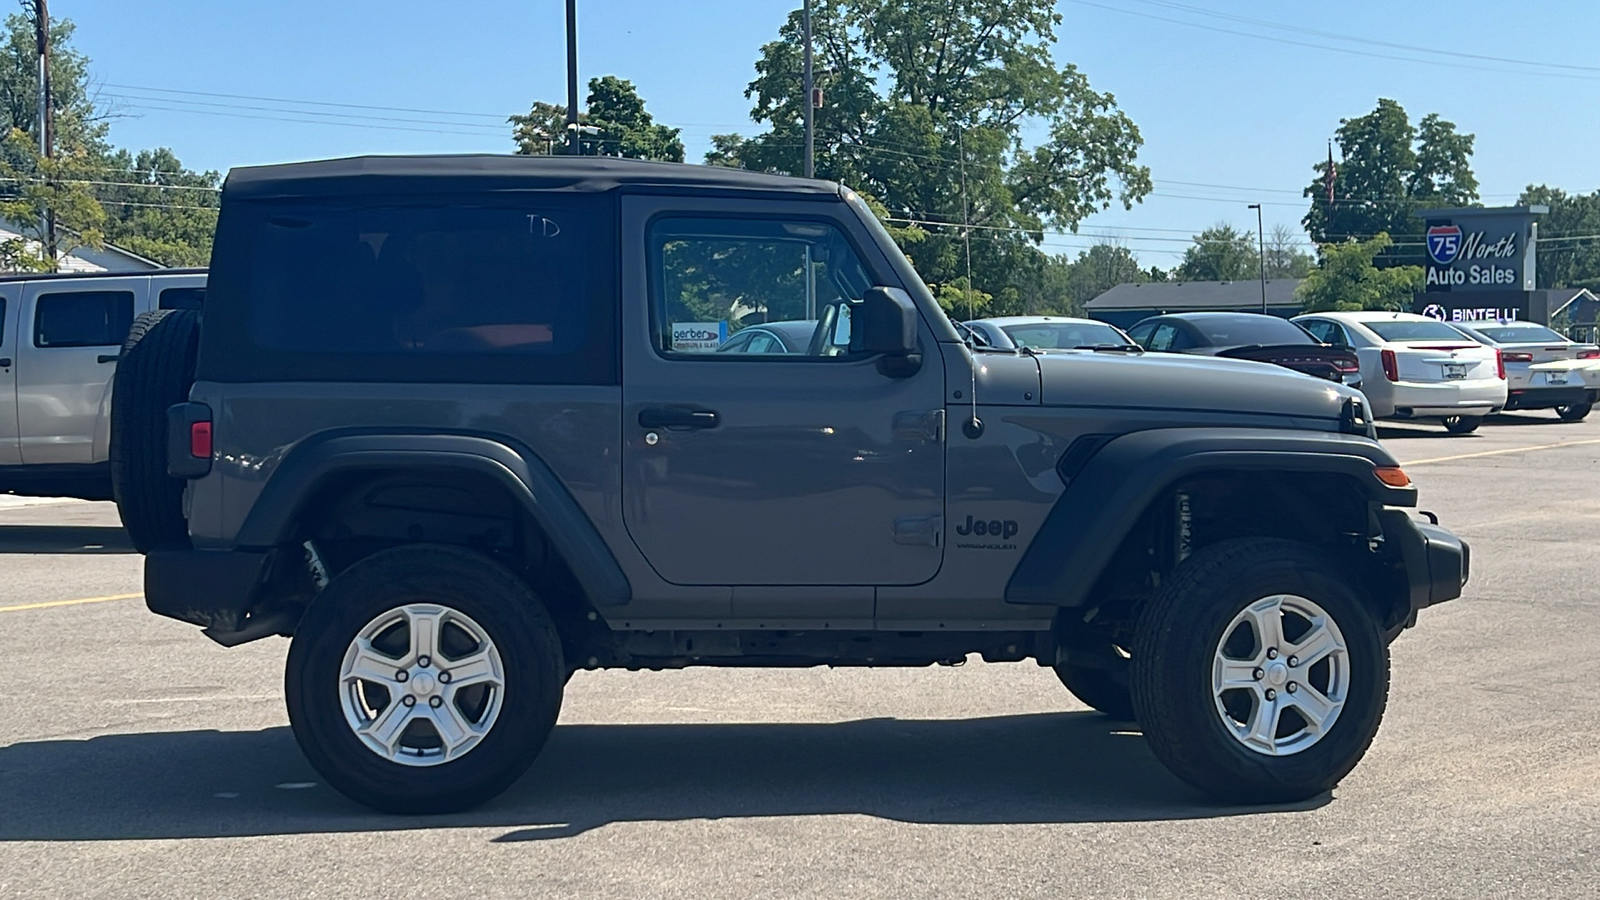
x: 1112, y: 348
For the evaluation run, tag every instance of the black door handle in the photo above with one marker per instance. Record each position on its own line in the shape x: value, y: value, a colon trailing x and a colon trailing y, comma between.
x: 676, y: 417
x: 108, y: 357
x: 5, y: 362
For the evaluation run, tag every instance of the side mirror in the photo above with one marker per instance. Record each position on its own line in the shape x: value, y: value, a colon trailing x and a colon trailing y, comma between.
x: 885, y: 323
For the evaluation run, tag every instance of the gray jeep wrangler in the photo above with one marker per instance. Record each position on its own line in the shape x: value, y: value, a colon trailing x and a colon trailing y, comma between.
x: 460, y: 426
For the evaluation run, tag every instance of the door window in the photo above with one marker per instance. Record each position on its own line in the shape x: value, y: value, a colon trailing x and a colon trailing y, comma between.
x: 1141, y: 335
x: 1163, y: 338
x: 712, y: 278
x: 182, y: 298
x: 83, y: 319
x: 1327, y: 332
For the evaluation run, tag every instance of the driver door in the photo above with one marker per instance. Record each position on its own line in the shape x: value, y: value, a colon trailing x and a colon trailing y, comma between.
x: 809, y: 468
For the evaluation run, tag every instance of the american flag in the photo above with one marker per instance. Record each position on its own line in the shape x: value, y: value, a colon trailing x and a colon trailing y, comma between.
x: 1330, y: 174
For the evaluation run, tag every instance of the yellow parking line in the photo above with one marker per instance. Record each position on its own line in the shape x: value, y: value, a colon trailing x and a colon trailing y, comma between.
x: 6, y: 609
x: 1440, y: 459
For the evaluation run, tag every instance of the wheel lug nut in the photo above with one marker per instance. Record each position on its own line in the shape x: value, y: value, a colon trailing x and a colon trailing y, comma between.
x: 423, y: 661
x: 444, y: 677
x: 408, y: 700
x: 1292, y: 687
x: 1294, y: 661
x: 1258, y: 674
x: 1272, y: 694
x: 435, y: 702
x: 401, y: 675
x: 1272, y: 653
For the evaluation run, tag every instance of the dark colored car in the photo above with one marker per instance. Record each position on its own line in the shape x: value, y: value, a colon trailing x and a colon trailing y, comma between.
x: 451, y: 425
x: 1252, y: 336
x: 772, y: 337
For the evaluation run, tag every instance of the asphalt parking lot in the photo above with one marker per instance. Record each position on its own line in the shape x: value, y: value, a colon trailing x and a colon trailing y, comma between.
x: 138, y: 759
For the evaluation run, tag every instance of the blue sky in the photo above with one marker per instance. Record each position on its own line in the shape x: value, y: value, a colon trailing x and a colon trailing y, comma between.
x: 1232, y: 112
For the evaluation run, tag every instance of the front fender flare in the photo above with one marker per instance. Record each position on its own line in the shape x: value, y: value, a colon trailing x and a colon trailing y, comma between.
x: 314, y: 461
x: 1106, y: 497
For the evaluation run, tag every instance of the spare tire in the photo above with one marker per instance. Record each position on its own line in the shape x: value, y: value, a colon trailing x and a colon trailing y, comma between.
x: 155, y: 372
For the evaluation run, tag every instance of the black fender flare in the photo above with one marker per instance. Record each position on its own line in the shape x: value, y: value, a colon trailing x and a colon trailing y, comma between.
x: 310, y: 464
x: 1107, y: 495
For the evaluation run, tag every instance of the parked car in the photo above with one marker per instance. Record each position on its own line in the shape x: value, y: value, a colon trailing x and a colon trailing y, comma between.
x: 772, y: 337
x: 453, y: 492
x: 1252, y: 336
x: 1544, y: 370
x: 60, y: 338
x: 1048, y: 333
x: 1414, y: 367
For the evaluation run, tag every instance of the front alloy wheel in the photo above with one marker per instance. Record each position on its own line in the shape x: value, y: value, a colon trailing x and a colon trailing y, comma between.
x: 1259, y: 671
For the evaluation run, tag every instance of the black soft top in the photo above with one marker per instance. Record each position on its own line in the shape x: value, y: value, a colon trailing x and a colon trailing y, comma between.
x: 477, y: 173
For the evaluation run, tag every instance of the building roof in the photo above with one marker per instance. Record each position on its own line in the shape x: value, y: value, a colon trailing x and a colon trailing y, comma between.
x: 488, y: 172
x: 86, y: 259
x: 1181, y: 296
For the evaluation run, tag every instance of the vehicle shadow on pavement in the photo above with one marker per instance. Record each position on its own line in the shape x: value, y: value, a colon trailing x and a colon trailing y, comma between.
x: 1402, y: 433
x: 1043, y: 768
x: 64, y: 539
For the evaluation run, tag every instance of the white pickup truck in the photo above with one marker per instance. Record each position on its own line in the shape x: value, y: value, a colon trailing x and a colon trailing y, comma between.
x: 60, y: 336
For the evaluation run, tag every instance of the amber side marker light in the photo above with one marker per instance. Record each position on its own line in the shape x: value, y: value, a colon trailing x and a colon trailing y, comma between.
x: 1393, y: 476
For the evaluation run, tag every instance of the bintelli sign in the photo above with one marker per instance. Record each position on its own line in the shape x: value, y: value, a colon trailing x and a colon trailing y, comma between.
x: 1468, y: 258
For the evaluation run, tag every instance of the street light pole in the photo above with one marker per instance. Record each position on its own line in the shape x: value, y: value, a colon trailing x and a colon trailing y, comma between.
x: 573, y: 146
x: 1261, y: 236
x: 810, y: 101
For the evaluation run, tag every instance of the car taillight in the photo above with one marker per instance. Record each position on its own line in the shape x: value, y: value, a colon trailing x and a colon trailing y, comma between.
x: 1589, y: 354
x: 1500, y: 364
x: 1516, y: 357
x: 1391, y: 365
x: 1347, y: 365
x: 200, y: 440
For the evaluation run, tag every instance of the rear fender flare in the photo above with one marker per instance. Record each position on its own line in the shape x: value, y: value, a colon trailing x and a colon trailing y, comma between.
x: 1106, y: 497
x: 312, y: 463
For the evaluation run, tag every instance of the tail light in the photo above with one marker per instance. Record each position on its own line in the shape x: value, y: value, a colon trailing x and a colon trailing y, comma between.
x: 1589, y: 354
x: 1347, y: 365
x: 200, y: 440
x: 1516, y: 357
x: 1391, y: 365
x: 189, y: 440
x: 1500, y: 364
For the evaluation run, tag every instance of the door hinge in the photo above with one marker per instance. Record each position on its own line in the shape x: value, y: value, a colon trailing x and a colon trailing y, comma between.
x: 920, y: 426
x: 918, y: 531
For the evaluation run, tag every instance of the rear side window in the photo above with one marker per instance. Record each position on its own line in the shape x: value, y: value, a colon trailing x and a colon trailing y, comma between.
x: 448, y: 292
x: 182, y: 298
x: 83, y: 319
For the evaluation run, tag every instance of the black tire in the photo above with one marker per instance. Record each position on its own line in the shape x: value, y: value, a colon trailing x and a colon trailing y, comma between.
x: 1574, y: 412
x: 155, y: 371
x: 1104, y: 687
x: 1462, y: 424
x: 1178, y: 635
x: 467, y: 583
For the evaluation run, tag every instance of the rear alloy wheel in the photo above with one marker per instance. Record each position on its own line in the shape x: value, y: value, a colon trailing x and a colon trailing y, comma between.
x: 424, y: 679
x: 1259, y: 674
x: 1574, y: 412
x: 1462, y: 424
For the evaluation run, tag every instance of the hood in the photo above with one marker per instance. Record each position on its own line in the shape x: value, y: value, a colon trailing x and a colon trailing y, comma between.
x: 1180, y: 381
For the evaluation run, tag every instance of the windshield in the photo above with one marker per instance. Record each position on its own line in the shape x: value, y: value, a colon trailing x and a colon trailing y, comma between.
x: 1413, y: 330
x: 1063, y: 335
x: 1514, y: 334
x: 1234, y: 331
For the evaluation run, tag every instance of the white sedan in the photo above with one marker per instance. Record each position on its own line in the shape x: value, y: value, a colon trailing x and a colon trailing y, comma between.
x: 1414, y: 367
x: 1544, y: 370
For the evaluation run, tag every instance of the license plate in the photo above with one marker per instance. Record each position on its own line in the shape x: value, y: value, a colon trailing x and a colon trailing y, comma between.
x: 1555, y: 378
x: 1455, y: 370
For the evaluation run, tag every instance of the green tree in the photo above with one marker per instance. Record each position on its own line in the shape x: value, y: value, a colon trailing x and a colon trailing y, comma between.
x: 1220, y: 253
x: 35, y: 186
x: 949, y: 113
x: 1347, y: 279
x: 158, y: 208
x: 1389, y: 170
x: 1564, y: 262
x: 614, y: 123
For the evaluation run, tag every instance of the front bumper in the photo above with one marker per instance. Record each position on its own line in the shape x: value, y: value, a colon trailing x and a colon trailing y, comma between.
x: 1437, y: 563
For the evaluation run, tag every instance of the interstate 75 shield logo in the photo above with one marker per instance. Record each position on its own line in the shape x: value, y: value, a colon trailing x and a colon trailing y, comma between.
x: 1444, y: 242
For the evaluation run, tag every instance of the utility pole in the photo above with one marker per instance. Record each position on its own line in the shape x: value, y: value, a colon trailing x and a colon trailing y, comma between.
x: 1261, y: 235
x: 810, y: 103
x: 47, y: 123
x: 573, y: 146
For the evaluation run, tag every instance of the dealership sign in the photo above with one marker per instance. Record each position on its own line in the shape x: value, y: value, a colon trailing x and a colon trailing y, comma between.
x: 1474, y: 250
x: 1472, y: 312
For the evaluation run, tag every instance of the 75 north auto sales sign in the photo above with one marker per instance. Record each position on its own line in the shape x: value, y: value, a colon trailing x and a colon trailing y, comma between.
x: 1487, y: 252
